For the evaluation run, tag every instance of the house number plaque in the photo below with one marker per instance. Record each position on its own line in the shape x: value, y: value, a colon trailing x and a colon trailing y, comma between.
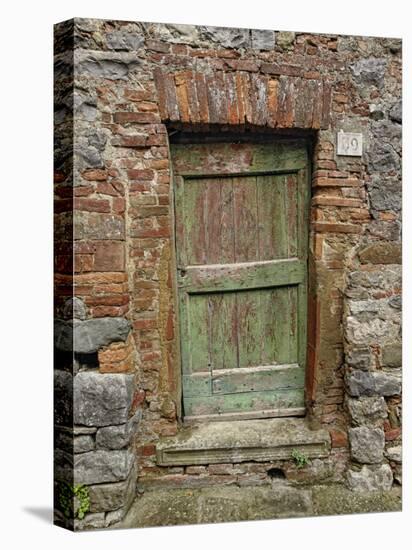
x: 349, y: 144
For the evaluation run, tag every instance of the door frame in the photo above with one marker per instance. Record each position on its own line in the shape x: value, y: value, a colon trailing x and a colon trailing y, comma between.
x: 307, y: 139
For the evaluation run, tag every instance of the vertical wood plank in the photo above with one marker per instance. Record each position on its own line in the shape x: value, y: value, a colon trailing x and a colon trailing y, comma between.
x: 220, y: 235
x: 198, y: 333
x: 249, y: 328
x: 291, y: 216
x: 273, y: 224
x: 246, y: 219
x: 194, y: 222
x: 223, y: 321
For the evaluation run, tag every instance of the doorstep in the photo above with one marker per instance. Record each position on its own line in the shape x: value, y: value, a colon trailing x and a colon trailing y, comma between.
x: 241, y: 441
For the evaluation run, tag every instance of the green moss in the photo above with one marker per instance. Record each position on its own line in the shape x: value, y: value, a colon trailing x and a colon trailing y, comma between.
x: 68, y: 495
x: 300, y: 458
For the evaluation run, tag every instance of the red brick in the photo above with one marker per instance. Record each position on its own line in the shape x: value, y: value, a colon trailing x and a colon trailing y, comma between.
x: 137, y: 95
x: 106, y: 188
x: 281, y: 69
x: 392, y: 434
x: 144, y: 324
x: 118, y: 205
x: 133, y: 117
x: 147, y: 450
x: 202, y: 97
x: 132, y: 141
x: 216, y: 98
x: 95, y: 278
x: 338, y: 438
x: 272, y: 102
x: 95, y: 175
x: 109, y: 311
x: 335, y: 201
x: 337, y: 182
x: 92, y: 205
x: 83, y: 262
x: 232, y: 101
x: 244, y: 65
x: 109, y: 256
x: 158, y: 164
x: 220, y: 469
x: 326, y: 107
x: 111, y: 300
x: 325, y: 227
x: 182, y: 97
x: 286, y: 115
x: 140, y: 174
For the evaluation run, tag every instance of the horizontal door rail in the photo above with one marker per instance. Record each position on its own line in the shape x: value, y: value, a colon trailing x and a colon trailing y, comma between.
x: 241, y: 276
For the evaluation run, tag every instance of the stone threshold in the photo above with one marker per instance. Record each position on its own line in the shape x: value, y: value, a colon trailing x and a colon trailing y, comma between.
x: 221, y: 504
x: 241, y: 441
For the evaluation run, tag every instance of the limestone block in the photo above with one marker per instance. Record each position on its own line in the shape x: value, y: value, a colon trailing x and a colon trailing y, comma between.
x: 262, y: 39
x: 102, y: 399
x: 367, y: 444
x: 90, y: 335
x: 102, y: 466
x: 359, y: 383
x: 112, y: 496
x: 367, y: 410
x: 370, y: 479
x: 118, y: 437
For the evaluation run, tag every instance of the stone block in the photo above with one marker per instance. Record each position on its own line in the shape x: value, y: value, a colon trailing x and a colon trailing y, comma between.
x: 394, y: 454
x: 360, y: 383
x: 263, y: 40
x: 63, y: 398
x: 385, y: 194
x: 102, y: 466
x: 367, y: 444
x: 63, y: 466
x: 124, y: 40
x: 102, y: 399
x: 110, y: 65
x: 83, y: 443
x: 118, y: 437
x: 370, y: 478
x: 90, y: 335
x: 392, y: 355
x: 285, y: 39
x: 114, y: 517
x: 369, y: 71
x: 383, y: 157
x: 381, y: 253
x: 112, y: 496
x: 395, y: 112
x: 227, y: 37
x: 359, y: 358
x: 367, y: 410
x: 97, y: 226
x: 90, y: 521
x: 75, y: 308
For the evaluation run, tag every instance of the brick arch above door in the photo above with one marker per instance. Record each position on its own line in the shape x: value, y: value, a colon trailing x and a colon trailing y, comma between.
x: 274, y: 100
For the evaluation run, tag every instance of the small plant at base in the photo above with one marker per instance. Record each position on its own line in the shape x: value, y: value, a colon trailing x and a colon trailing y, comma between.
x: 68, y: 493
x: 300, y: 459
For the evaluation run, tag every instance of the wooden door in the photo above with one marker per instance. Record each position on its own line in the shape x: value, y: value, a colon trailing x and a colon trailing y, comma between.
x: 241, y: 221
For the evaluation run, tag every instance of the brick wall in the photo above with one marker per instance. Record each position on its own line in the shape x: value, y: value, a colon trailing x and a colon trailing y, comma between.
x: 115, y: 277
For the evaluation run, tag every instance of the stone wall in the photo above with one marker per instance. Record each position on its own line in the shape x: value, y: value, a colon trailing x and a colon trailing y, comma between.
x: 122, y: 90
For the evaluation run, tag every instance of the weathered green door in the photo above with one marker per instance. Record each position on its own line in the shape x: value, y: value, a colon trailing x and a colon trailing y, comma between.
x: 241, y: 218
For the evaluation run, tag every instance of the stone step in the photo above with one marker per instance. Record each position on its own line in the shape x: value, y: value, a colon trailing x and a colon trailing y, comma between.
x: 243, y: 440
x: 220, y: 504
